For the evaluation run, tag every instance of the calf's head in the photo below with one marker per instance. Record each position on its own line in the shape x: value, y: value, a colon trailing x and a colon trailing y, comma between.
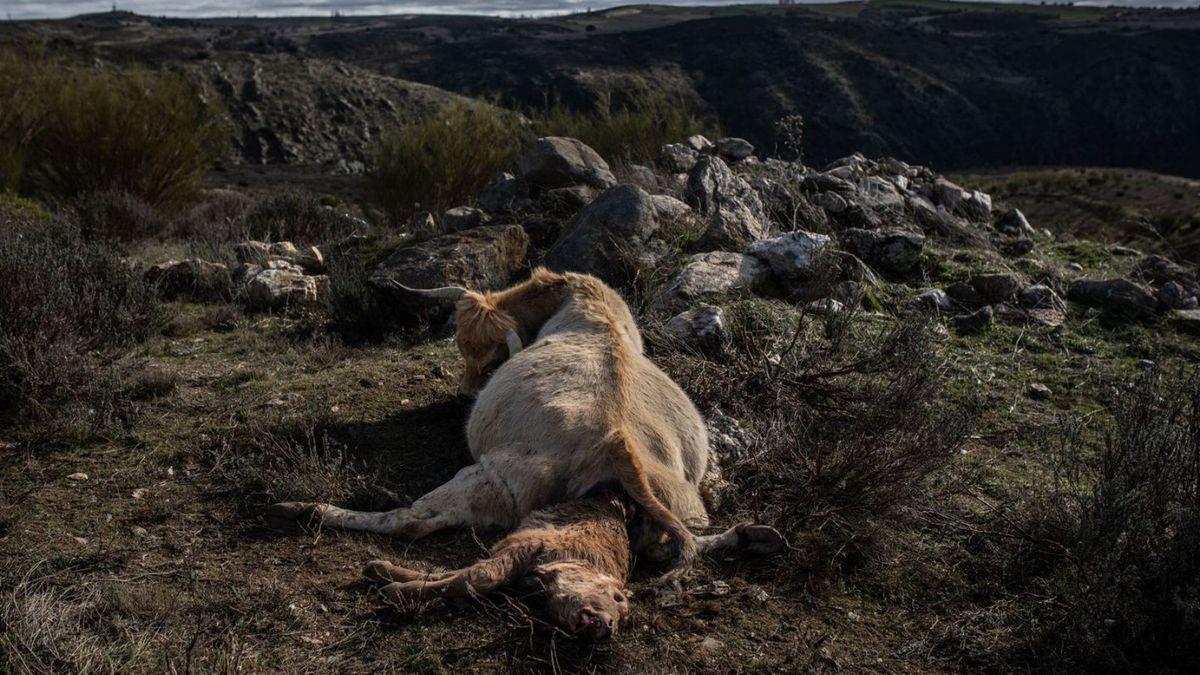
x: 486, y: 335
x: 584, y: 602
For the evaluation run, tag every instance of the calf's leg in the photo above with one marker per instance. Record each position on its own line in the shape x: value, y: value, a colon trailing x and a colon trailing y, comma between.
x: 747, y: 537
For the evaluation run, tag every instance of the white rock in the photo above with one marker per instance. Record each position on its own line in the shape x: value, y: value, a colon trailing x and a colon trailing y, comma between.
x: 790, y: 255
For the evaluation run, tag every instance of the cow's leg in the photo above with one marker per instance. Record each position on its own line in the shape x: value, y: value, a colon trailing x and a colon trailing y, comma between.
x: 472, y: 498
x: 747, y: 537
x: 497, y: 492
x: 384, y: 571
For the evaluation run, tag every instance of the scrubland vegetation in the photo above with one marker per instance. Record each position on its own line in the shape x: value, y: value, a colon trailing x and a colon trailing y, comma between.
x: 938, y: 519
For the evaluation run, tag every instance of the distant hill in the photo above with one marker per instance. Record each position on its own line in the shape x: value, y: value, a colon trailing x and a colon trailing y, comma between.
x: 946, y: 84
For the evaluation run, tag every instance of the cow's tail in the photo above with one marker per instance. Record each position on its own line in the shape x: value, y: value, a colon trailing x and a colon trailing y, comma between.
x: 626, y: 453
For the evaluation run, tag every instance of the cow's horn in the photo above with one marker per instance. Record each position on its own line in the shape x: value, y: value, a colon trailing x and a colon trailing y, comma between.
x: 443, y: 294
x: 514, y: 343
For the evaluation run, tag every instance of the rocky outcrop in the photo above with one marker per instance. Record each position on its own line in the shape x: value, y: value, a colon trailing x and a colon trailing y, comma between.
x: 556, y: 162
x: 709, y: 276
x: 1120, y: 297
x: 733, y: 211
x: 605, y: 237
x: 484, y: 258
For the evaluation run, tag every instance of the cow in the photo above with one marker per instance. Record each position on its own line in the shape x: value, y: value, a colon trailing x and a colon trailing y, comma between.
x: 579, y: 553
x: 570, y: 402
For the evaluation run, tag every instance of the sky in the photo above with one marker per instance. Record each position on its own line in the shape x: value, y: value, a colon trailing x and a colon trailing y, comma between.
x: 20, y: 9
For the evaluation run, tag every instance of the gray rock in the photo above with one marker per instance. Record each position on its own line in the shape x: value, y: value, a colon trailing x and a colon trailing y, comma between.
x: 1115, y: 296
x: 831, y: 202
x: 1040, y: 296
x: 824, y: 306
x: 607, y: 234
x: 996, y: 287
x: 934, y: 299
x: 504, y: 194
x: 1014, y: 223
x: 978, y: 206
x: 733, y: 210
x: 948, y: 194
x: 1160, y: 271
x: 891, y: 251
x: 975, y: 322
x: 279, y: 287
x: 463, y: 218
x: 643, y: 176
x: 193, y: 278
x: 678, y: 158
x: 792, y: 255
x: 567, y: 200
x: 483, y: 259
x: 670, y: 208
x: 1186, y: 319
x: 1173, y: 295
x: 711, y: 275
x: 554, y: 162
x: 699, y: 143
x: 1039, y: 391
x: 734, y: 149
x: 702, y: 327
x: 965, y: 294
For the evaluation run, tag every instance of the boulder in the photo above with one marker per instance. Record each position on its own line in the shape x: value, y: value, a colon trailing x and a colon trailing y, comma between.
x: 701, y: 327
x: 734, y: 149
x: 948, y: 194
x: 669, y: 208
x: 790, y: 256
x: 933, y: 299
x: 568, y: 200
x: 733, y: 209
x: 996, y: 287
x: 975, y: 322
x: 965, y: 294
x: 1040, y: 297
x: 484, y: 258
x: 1173, y: 295
x: 890, y: 251
x: 607, y: 234
x: 978, y: 206
x: 1186, y: 320
x: 463, y: 218
x: 711, y: 275
x: 1115, y: 296
x: 554, y: 162
x: 831, y: 202
x: 503, y: 194
x: 1160, y: 271
x: 191, y: 278
x: 642, y: 176
x: 699, y: 143
x: 283, y: 286
x: 677, y: 157
x: 1014, y: 223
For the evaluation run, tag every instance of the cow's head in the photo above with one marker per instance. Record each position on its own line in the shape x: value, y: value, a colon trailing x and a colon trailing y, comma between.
x: 583, y: 601
x: 486, y: 335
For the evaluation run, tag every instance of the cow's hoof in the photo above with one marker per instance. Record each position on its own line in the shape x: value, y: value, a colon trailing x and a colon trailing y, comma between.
x: 760, y: 539
x: 378, y: 571
x: 290, y: 513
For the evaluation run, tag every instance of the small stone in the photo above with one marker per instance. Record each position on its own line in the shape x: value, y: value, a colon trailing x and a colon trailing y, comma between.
x: 709, y: 646
x: 975, y: 322
x: 1039, y: 391
x: 78, y: 477
x: 139, y: 493
x: 139, y: 531
x: 934, y: 299
x: 996, y: 287
x: 824, y: 306
x: 1075, y: 267
x: 82, y: 541
x: 734, y: 149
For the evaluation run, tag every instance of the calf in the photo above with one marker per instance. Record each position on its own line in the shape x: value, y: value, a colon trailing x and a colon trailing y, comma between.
x: 579, y: 552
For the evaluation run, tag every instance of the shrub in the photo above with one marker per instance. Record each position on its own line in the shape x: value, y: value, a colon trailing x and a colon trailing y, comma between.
x: 1125, y: 506
x: 78, y: 131
x: 298, y: 217
x: 444, y: 160
x: 633, y: 131
x: 66, y: 304
x: 853, y: 426
x: 116, y: 214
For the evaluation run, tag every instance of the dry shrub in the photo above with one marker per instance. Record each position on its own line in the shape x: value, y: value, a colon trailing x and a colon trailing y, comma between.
x: 116, y: 214
x: 852, y: 422
x: 81, y: 130
x: 444, y: 160
x: 630, y: 131
x: 1124, y: 506
x: 68, y: 305
x: 298, y: 217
